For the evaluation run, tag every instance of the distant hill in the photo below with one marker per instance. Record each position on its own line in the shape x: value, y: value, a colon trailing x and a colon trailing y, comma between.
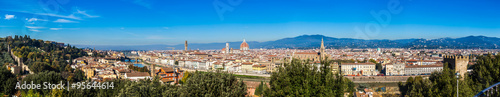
x: 314, y: 41
x: 468, y: 42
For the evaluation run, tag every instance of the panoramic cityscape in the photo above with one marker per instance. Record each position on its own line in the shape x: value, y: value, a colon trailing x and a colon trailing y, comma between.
x: 239, y: 48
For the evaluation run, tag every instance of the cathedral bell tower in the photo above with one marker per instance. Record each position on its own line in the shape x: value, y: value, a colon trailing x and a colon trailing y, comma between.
x: 322, y: 49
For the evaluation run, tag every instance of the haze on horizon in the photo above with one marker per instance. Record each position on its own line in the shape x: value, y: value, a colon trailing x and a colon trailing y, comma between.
x: 144, y: 22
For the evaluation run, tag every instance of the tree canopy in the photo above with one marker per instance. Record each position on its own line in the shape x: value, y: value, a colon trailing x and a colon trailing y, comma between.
x: 213, y: 85
x: 298, y: 78
x: 46, y: 55
x: 8, y: 81
x: 444, y: 83
x: 45, y: 58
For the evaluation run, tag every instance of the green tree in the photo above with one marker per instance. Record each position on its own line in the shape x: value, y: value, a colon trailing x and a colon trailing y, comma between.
x: 373, y: 61
x: 378, y: 66
x: 363, y: 86
x: 8, y: 81
x: 260, y: 89
x: 299, y: 78
x: 185, y: 77
x: 486, y: 71
x: 40, y: 67
x: 40, y: 78
x: 213, y: 85
x: 56, y: 93
x: 142, y: 88
x: 265, y: 89
x: 442, y: 83
x: 78, y: 76
x: 32, y: 51
x: 420, y: 88
x: 350, y: 87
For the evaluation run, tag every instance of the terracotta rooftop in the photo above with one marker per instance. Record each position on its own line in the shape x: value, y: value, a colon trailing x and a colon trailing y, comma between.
x: 168, y: 69
x: 246, y: 63
x: 137, y: 74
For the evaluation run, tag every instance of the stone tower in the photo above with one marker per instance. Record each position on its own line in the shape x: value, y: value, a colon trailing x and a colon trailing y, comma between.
x: 322, y: 49
x: 186, y: 46
x: 457, y: 63
x: 227, y: 48
x: 153, y: 72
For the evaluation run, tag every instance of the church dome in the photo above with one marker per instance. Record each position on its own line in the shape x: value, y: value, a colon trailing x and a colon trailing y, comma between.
x: 244, y: 45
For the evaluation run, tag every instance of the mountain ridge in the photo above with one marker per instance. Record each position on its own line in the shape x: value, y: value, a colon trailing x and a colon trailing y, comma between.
x: 313, y: 41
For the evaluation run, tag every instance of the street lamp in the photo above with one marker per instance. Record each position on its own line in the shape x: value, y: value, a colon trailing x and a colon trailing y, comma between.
x: 457, y: 81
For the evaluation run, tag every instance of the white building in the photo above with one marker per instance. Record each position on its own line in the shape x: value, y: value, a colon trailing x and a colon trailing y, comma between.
x: 422, y: 69
x: 188, y: 64
x: 171, y: 62
x: 182, y: 63
x: 395, y: 69
x: 235, y: 67
x: 194, y: 64
x: 421, y: 62
x: 204, y: 65
x: 365, y: 69
x: 164, y: 61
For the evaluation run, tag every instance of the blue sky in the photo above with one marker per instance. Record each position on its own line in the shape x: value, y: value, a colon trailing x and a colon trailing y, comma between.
x: 142, y: 22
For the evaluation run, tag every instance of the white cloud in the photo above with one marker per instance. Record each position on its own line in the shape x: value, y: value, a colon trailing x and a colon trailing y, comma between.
x: 64, y: 28
x: 64, y: 21
x: 85, y: 13
x: 56, y: 28
x: 35, y: 19
x: 8, y: 17
x: 34, y: 27
x: 75, y: 15
x: 71, y: 16
x: 34, y: 30
x: 34, y: 7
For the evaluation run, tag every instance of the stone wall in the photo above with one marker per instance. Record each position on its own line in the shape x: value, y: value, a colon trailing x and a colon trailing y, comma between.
x: 19, y: 62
